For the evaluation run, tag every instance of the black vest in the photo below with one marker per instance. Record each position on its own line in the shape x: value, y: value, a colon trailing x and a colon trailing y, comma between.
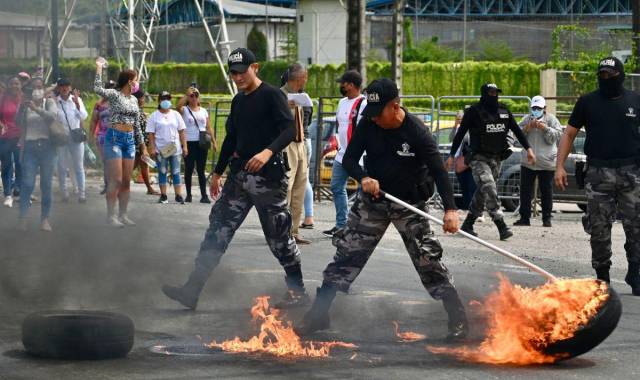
x: 489, y: 135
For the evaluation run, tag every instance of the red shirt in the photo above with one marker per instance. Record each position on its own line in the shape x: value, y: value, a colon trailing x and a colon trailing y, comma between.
x: 8, y: 110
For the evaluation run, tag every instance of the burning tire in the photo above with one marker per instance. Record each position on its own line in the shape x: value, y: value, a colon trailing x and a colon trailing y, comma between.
x: 589, y: 336
x: 84, y: 335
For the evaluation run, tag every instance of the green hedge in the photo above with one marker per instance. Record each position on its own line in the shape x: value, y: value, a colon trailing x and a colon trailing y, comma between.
x: 437, y: 79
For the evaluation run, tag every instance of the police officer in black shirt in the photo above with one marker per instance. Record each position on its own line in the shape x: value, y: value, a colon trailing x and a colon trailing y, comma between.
x: 488, y: 123
x: 259, y: 127
x: 611, y: 118
x: 400, y: 154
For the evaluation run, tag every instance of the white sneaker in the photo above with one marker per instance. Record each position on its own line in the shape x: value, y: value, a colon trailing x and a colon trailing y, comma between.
x: 45, y: 226
x: 114, y: 222
x: 8, y: 201
x: 480, y: 219
x: 124, y: 219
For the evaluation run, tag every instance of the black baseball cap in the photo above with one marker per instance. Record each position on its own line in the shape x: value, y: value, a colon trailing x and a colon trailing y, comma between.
x: 240, y: 59
x: 489, y: 86
x: 611, y: 65
x: 63, y: 82
x: 379, y: 93
x: 164, y: 95
x: 351, y: 76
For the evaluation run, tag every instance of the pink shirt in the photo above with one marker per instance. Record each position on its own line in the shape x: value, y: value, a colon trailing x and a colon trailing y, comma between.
x: 8, y: 111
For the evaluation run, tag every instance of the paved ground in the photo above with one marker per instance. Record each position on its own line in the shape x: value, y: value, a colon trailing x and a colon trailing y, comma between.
x: 86, y: 265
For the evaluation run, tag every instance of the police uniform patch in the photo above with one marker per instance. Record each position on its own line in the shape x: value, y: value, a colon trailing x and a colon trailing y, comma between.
x: 405, y: 151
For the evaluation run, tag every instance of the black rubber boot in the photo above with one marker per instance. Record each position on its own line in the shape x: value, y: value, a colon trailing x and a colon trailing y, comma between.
x: 458, y: 325
x: 633, y: 278
x: 467, y: 225
x: 603, y: 274
x: 317, y: 318
x: 522, y: 222
x: 188, y: 293
x: 296, y: 296
x: 503, y: 229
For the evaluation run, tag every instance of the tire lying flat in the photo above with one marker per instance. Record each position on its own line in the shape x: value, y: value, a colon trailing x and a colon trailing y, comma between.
x: 77, y: 335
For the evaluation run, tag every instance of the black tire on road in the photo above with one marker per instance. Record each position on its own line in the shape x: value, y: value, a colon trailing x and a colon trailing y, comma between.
x: 77, y: 335
x: 589, y: 336
x: 511, y: 187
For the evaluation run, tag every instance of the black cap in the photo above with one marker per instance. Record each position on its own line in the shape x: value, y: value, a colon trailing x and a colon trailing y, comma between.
x: 379, y: 93
x: 612, y: 65
x: 351, y: 76
x: 63, y: 82
x: 240, y: 59
x: 484, y: 90
x: 164, y: 95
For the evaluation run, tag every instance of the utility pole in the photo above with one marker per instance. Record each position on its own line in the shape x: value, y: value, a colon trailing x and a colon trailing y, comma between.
x: 636, y: 32
x: 464, y: 31
x: 54, y: 40
x: 398, y: 43
x: 356, y: 36
x: 131, y: 63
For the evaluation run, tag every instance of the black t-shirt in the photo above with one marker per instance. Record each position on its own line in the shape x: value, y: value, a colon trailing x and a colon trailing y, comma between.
x: 612, y: 125
x: 476, y: 125
x: 259, y: 120
x: 399, y: 159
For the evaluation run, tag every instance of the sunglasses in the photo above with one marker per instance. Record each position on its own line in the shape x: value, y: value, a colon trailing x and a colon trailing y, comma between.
x: 194, y: 95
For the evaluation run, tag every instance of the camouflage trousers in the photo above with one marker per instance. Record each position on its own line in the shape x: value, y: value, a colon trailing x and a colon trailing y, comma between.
x: 240, y: 193
x: 609, y: 191
x: 485, y: 171
x: 366, y: 224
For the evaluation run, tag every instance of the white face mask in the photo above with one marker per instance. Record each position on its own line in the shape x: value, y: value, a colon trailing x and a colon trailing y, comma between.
x: 37, y: 94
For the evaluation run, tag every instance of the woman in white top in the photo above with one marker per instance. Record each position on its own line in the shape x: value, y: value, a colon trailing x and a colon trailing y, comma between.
x: 165, y: 128
x: 197, y: 121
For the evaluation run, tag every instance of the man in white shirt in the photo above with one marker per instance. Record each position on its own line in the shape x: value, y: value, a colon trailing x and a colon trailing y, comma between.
x: 71, y: 113
x: 348, y: 115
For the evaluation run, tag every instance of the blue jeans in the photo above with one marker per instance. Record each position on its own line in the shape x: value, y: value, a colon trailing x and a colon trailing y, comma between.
x: 339, y: 177
x: 119, y: 145
x: 71, y: 156
x: 467, y: 187
x: 39, y: 156
x: 308, y: 193
x: 10, y: 158
x: 163, y: 169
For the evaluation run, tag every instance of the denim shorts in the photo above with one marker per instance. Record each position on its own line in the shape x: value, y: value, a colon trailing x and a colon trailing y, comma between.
x: 119, y: 145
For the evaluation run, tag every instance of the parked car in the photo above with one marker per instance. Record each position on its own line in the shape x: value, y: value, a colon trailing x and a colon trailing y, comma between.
x: 329, y: 144
x: 509, y: 180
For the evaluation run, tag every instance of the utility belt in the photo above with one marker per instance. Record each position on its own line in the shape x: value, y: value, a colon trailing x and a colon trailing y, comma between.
x: 613, y: 164
x: 274, y: 170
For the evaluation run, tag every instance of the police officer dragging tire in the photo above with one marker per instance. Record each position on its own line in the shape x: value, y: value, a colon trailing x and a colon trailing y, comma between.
x: 611, y: 118
x: 259, y: 127
x: 488, y: 123
x: 401, y: 156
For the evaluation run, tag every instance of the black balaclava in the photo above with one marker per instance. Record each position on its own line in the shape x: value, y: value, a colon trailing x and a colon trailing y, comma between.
x: 611, y: 87
x: 490, y: 103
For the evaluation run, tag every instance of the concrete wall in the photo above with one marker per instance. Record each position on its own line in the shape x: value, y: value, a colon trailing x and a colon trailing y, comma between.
x: 322, y: 31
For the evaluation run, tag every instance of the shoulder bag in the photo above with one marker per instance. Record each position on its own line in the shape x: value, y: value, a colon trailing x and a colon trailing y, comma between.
x: 204, y: 139
x: 78, y: 135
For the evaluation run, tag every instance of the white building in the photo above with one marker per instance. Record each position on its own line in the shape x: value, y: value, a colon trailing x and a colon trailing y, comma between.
x: 322, y: 31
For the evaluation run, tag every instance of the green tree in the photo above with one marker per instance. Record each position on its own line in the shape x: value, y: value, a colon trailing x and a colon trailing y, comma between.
x: 291, y: 46
x: 494, y: 50
x: 431, y: 51
x: 257, y: 43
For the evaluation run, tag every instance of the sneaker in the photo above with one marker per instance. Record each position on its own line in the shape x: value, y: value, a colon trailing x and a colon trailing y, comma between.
x: 331, y: 232
x: 163, y: 199
x: 205, y: 199
x: 546, y: 222
x: 188, y: 198
x: 179, y: 199
x: 8, y: 201
x: 124, y: 219
x: 45, y: 226
x: 522, y: 222
x: 114, y: 222
x: 480, y: 219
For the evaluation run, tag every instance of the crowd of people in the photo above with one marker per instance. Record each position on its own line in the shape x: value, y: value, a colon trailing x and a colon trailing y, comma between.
x: 383, y: 146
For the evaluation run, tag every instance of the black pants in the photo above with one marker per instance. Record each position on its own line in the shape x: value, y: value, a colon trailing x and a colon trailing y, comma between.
x: 545, y: 184
x: 197, y: 158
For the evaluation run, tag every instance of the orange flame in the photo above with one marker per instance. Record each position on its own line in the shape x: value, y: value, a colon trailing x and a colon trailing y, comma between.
x: 276, y: 337
x: 522, y: 322
x: 408, y: 336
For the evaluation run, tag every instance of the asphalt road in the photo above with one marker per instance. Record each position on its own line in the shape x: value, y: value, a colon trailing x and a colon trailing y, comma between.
x: 85, y: 265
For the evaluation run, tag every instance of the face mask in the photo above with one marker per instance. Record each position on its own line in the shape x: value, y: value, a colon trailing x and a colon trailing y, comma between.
x: 37, y: 94
x: 343, y: 91
x: 135, y: 86
x: 489, y: 102
x: 165, y: 104
x: 611, y: 87
x: 537, y: 113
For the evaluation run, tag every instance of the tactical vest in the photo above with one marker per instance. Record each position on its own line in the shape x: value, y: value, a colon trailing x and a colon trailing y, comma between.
x: 490, y: 135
